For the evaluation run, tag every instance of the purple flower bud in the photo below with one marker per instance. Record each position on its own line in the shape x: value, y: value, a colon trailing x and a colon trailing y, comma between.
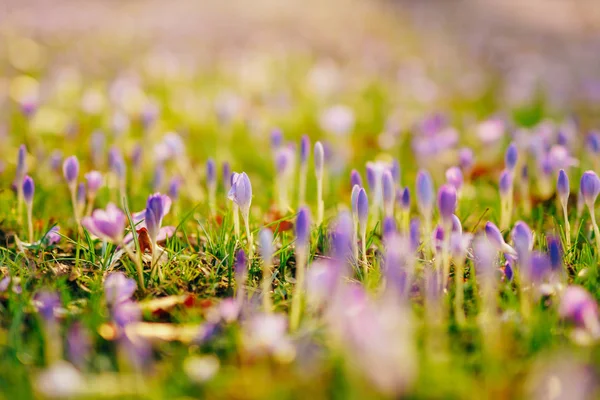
x: 241, y: 192
x: 590, y: 187
x: 118, y: 288
x: 211, y: 173
x: 362, y: 207
x: 28, y: 189
x: 56, y: 160
x: 539, y: 267
x: 51, y: 237
x: 226, y: 171
x: 371, y: 176
x: 282, y: 162
x: 126, y: 312
x: 341, y: 239
x: 276, y: 138
x: 494, y: 235
x: 593, y: 142
x: 395, y: 170
x: 437, y: 238
x: 116, y: 162
x: 94, y: 182
x: 511, y: 157
x: 79, y: 344
x: 485, y: 258
x: 456, y: 224
x: 508, y: 271
x: 415, y: 233
x: 266, y: 245
x: 388, y: 190
x: 302, y: 227
x: 21, y: 163
x: 157, y: 206
x: 447, y: 202
x: 555, y: 253
x: 506, y: 182
x: 81, y: 193
x: 354, y: 200
x: 174, y: 187
x: 466, y: 158
x: 319, y: 159
x: 97, y: 144
x: 389, y: 227
x: 425, y: 191
x: 522, y: 237
x: 240, y: 262
x: 355, y: 178
x: 454, y: 177
x: 107, y: 224
x: 405, y: 199
x: 578, y: 306
x: 304, y: 149
x: 46, y: 303
x: 562, y: 187
x: 136, y: 156
x: 71, y: 169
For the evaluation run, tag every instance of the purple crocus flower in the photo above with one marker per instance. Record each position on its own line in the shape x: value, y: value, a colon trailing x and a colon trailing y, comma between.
x: 276, y: 138
x: 126, y: 312
x: 388, y: 190
x: 341, y: 238
x: 562, y: 187
x: 555, y: 253
x: 94, y: 182
x: 496, y: 239
x: 362, y: 207
x: 117, y: 163
x: 466, y: 158
x: 578, y: 306
x: 241, y: 192
x: 241, y: 267
x: 389, y: 227
x: 415, y: 233
x: 511, y: 157
x: 506, y: 183
x: 51, y: 237
x: 157, y: 207
x: 522, y: 238
x: 590, y: 187
x: 371, y: 178
x: 395, y: 171
x: 118, y: 288
x: 28, y: 190
x: 539, y: 267
x: 304, y: 149
x: 211, y: 173
x: 79, y: 344
x: 355, y: 178
x: 71, y: 170
x: 447, y: 202
x: 456, y: 224
x: 174, y: 187
x: 405, y: 199
x: 226, y: 172
x: 593, y: 142
x: 319, y: 159
x: 81, y: 194
x: 454, y: 177
x: 47, y: 302
x: 106, y: 224
x: 425, y: 192
x: 136, y: 156
x: 56, y: 160
x: 303, y: 227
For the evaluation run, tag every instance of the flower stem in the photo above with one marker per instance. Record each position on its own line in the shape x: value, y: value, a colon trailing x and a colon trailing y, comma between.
x: 302, y: 187
x: 363, y: 235
x: 567, y: 226
x: 236, y: 220
x: 30, y: 221
x: 459, y: 295
x: 320, y: 204
x: 138, y: 264
x: 298, y: 290
x: 266, y: 287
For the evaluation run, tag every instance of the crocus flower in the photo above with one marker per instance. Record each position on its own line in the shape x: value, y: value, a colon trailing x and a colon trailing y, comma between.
x: 266, y: 253
x: 174, y: 187
x: 226, y: 175
x: 563, y: 190
x: 71, y: 170
x: 415, y: 233
x: 157, y: 207
x: 355, y: 178
x: 555, y: 253
x: 303, y: 227
x: 389, y: 193
x: 395, y: 171
x: 495, y: 238
x: 302, y: 242
x: 454, y: 177
x: 28, y: 191
x: 511, y: 157
x: 362, y: 211
x: 47, y: 303
x: 241, y: 194
x: 425, y: 193
x: 276, y: 138
x: 211, y: 183
x: 51, y: 237
x: 118, y: 288
x: 241, y: 271
x: 106, y: 224
x: 304, y: 153
x: 389, y: 227
x: 578, y: 306
x: 466, y: 159
x: 319, y: 159
x: 447, y: 202
x: 589, y: 188
x: 522, y: 238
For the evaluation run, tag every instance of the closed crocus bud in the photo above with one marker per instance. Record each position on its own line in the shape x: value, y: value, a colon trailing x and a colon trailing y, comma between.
x: 276, y: 138
x: 522, y: 237
x: 28, y: 189
x: 211, y: 173
x: 47, y: 303
x: 389, y: 227
x: 395, y: 170
x: 589, y: 187
x: 555, y: 253
x: 447, y: 202
x: 71, y: 169
x: 157, y: 206
x: 355, y: 178
x: 81, y: 194
x: 226, y: 175
x: 174, y: 187
x: 93, y: 180
x: 266, y: 245
x: 579, y: 306
x: 241, y: 192
x: 304, y: 149
x: 354, y: 200
x: 341, y: 240
x: 21, y: 163
x: 240, y: 263
x: 466, y: 158
x: 362, y: 207
x: 405, y: 199
x: 562, y: 187
x: 539, y: 267
x: 454, y: 177
x: 506, y: 182
x: 495, y: 238
x: 319, y: 157
x: 116, y: 162
x: 388, y: 192
x: 371, y: 176
x: 437, y: 238
x: 511, y: 156
x: 593, y: 142
x: 415, y: 233
x: 118, y: 288
x: 456, y: 224
x: 425, y: 191
x: 302, y: 227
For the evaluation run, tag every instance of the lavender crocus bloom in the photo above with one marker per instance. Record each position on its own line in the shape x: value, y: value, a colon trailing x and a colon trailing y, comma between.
x: 226, y: 173
x: 157, y: 206
x: 174, y: 187
x: 555, y: 253
x: 389, y: 227
x: 466, y: 158
x: 303, y: 227
x: 506, y: 182
x: 495, y: 238
x: 454, y: 177
x: 341, y: 238
x: 437, y: 238
x: 447, y: 202
x: 593, y: 142
x: 415, y: 233
x: 355, y: 178
x: 562, y: 187
x: 304, y: 149
x: 590, y: 187
x: 425, y: 192
x: 395, y: 171
x: 56, y: 160
x: 522, y: 237
x: 539, y: 267
x: 107, y: 224
x: 126, y: 312
x: 371, y: 178
x: 511, y: 157
x: 117, y: 163
x: 21, y: 164
x: 319, y: 159
x: 211, y: 173
x: 456, y: 224
x: 388, y: 190
x: 71, y: 170
x: 578, y: 306
x: 240, y: 266
x: 118, y: 288
x: 405, y: 199
x: 241, y: 192
x: 354, y: 200
x: 266, y: 245
x: 94, y: 182
x: 79, y: 344
x: 47, y: 303
x: 51, y: 237
x: 276, y: 138
x: 362, y: 207
x: 28, y: 189
x: 97, y: 144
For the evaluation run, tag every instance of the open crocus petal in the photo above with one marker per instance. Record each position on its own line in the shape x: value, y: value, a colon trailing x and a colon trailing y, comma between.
x: 165, y: 232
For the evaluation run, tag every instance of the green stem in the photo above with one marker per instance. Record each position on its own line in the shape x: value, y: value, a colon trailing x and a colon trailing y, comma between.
x: 298, y: 290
